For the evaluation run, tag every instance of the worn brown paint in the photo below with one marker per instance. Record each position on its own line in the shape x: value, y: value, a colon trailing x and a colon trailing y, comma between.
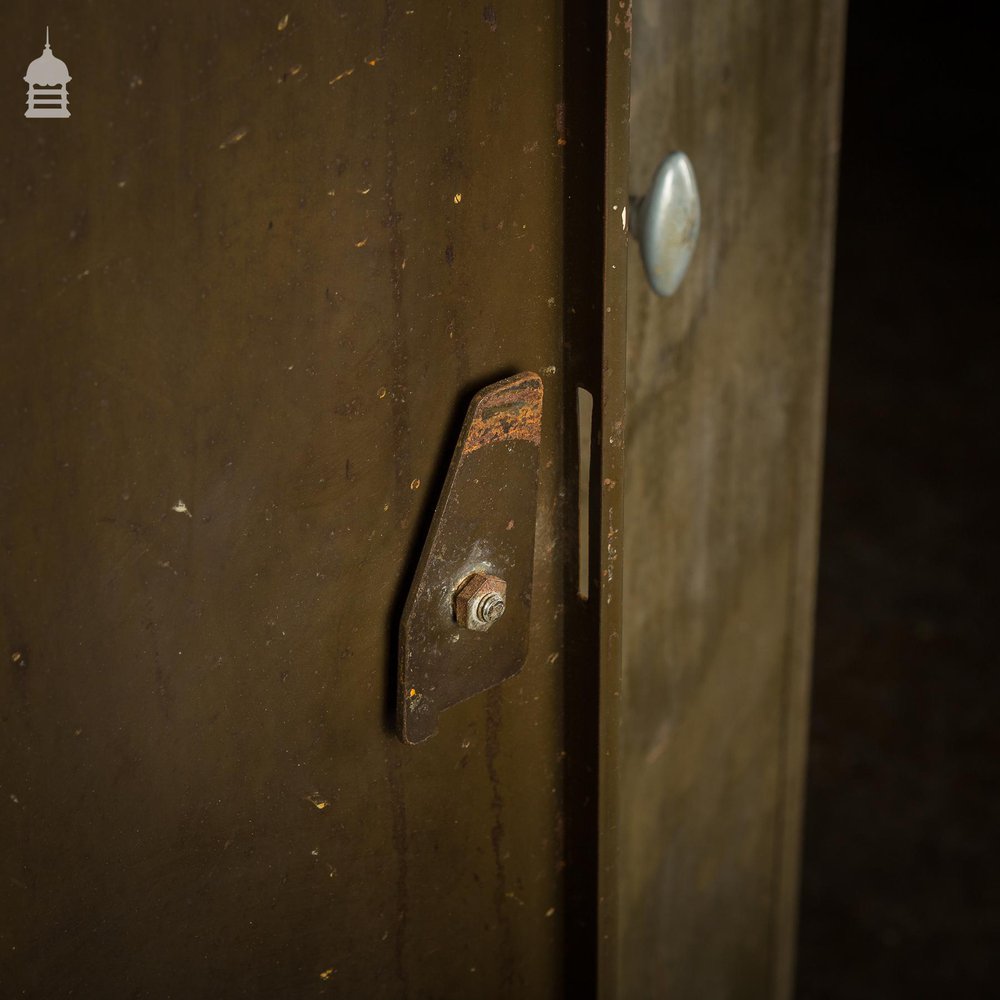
x: 231, y: 283
x: 726, y: 386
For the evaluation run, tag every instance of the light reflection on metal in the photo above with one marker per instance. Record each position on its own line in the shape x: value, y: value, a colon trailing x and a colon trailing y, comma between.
x: 667, y: 222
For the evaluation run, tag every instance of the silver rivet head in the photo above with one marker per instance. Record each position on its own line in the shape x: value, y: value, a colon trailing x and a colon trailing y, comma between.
x: 480, y: 601
x: 667, y: 222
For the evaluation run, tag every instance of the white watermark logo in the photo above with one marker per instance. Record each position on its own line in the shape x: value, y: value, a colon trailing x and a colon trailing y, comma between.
x: 47, y: 78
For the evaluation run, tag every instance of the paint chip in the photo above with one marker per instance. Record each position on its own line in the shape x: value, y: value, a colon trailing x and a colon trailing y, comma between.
x: 361, y: 243
x: 326, y: 973
x: 458, y: 198
x: 181, y: 508
x: 283, y: 23
x: 415, y: 485
x: 234, y: 137
x: 624, y: 217
x: 317, y: 800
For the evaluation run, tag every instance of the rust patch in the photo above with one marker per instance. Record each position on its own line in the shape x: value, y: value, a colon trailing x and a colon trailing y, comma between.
x: 508, y: 411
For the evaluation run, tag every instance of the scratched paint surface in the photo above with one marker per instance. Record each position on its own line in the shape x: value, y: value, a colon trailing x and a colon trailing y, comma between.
x: 243, y: 308
x: 726, y: 391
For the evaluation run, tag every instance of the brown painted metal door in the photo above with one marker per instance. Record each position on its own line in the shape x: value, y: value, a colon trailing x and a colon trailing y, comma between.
x: 726, y: 388
x: 249, y: 287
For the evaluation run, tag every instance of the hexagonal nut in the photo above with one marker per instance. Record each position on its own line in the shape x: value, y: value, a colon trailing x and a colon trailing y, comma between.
x: 480, y: 601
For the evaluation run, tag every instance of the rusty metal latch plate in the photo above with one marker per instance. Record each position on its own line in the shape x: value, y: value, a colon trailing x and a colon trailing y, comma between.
x: 478, y: 559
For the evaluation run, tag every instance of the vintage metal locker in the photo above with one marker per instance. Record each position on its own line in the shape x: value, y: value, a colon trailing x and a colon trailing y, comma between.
x: 251, y: 285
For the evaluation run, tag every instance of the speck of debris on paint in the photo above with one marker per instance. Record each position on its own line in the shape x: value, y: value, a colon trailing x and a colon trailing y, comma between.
x: 510, y: 524
x: 550, y: 911
x: 283, y: 23
x: 317, y: 800
x: 361, y: 243
x: 624, y: 218
x: 326, y: 973
x: 415, y: 485
x: 234, y: 137
x: 458, y: 198
x: 413, y: 692
x: 382, y: 392
x: 181, y: 508
x: 364, y: 190
x: 340, y: 76
x: 16, y: 656
x: 372, y: 61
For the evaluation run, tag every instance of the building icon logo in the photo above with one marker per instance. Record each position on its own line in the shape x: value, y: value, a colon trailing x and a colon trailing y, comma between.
x: 47, y: 78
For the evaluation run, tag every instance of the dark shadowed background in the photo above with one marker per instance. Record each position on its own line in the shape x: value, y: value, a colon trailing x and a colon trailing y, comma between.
x: 899, y: 892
